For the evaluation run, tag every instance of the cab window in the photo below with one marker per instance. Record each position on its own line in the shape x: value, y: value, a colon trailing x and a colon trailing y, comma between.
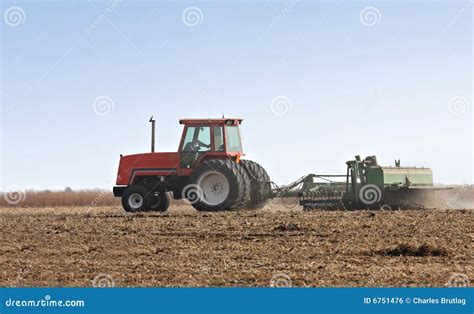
x: 218, y: 139
x: 197, y: 139
x: 232, y: 138
x: 188, y: 138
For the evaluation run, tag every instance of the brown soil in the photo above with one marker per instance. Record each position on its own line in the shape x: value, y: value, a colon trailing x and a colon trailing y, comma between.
x: 71, y: 246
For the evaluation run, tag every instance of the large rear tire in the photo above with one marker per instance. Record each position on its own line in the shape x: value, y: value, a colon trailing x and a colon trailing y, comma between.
x: 259, y: 183
x: 218, y: 185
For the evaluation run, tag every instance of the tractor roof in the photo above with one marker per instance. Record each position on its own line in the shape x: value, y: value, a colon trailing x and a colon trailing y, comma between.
x: 226, y: 121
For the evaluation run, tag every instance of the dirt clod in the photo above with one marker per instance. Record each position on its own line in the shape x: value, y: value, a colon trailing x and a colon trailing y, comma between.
x: 287, y: 227
x: 412, y: 250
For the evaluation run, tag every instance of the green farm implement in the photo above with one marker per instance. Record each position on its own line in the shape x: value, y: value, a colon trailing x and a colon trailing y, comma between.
x: 366, y: 184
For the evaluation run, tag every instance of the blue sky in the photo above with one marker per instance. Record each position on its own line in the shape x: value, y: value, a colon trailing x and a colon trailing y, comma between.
x: 387, y: 78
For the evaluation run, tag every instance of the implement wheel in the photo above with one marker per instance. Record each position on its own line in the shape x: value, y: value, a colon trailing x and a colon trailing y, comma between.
x: 259, y: 183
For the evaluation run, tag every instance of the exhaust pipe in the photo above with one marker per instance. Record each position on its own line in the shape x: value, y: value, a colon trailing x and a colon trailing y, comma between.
x: 152, y: 134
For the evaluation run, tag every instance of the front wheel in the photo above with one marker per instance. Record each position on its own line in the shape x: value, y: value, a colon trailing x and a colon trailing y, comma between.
x: 159, y: 202
x: 136, y: 198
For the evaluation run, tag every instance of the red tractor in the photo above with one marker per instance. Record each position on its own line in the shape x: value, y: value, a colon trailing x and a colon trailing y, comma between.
x: 207, y: 171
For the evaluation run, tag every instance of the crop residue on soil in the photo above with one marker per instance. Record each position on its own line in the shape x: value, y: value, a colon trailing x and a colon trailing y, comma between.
x: 71, y: 246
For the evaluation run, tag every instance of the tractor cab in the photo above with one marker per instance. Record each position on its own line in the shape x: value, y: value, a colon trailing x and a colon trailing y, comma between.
x: 203, y: 138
